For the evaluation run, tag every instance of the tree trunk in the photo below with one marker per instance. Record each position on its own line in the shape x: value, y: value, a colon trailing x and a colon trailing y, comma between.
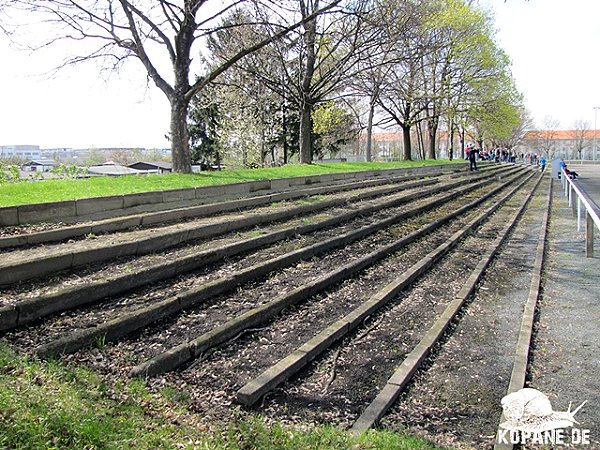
x: 369, y: 151
x: 420, y: 142
x: 284, y: 129
x: 372, y: 101
x: 263, y: 152
x: 432, y: 125
x: 310, y: 32
x: 180, y: 142
x: 306, y: 147
x: 407, y: 151
x: 451, y: 141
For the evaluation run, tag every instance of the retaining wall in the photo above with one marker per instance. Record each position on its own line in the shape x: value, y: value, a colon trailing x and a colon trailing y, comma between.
x: 50, y: 212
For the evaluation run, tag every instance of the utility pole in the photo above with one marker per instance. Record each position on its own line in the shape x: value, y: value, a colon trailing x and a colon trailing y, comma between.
x: 596, y: 108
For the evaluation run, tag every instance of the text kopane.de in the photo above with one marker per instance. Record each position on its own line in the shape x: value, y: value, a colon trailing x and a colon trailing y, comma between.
x: 551, y: 437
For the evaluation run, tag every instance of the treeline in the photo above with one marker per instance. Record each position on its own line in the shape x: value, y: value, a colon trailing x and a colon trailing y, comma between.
x: 423, y: 66
x: 258, y: 80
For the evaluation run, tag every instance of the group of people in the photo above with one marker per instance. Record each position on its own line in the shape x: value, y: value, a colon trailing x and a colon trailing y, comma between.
x: 472, y: 154
x: 563, y: 166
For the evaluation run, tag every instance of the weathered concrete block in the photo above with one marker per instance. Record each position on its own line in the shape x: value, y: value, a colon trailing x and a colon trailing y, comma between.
x: 34, y: 268
x: 163, y: 216
x: 203, y: 192
x: 315, y: 179
x: 8, y: 317
x: 260, y: 185
x: 98, y: 204
x: 117, y: 224
x: 93, y: 255
x: 297, y: 181
x: 9, y: 216
x: 375, y: 411
x: 164, y: 362
x: 47, y: 212
x: 280, y: 184
x: 326, y: 178
x: 160, y: 242
x: 178, y: 195
x: 58, y: 234
x: 143, y: 198
x: 237, y: 188
x: 363, y: 175
x: 13, y: 241
x: 409, y: 366
x: 355, y: 318
x: 325, y: 339
x: 271, y: 377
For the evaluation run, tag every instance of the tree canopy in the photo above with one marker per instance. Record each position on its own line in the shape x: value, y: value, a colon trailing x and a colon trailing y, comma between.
x: 270, y: 79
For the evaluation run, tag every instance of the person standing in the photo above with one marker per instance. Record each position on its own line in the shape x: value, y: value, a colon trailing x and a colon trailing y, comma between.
x: 473, y: 158
x: 543, y: 163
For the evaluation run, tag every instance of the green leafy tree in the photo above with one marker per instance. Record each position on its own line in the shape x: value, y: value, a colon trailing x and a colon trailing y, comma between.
x: 333, y: 127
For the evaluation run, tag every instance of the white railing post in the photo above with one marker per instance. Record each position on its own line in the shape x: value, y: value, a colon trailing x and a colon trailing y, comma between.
x: 589, y: 236
x: 591, y: 215
x: 578, y: 214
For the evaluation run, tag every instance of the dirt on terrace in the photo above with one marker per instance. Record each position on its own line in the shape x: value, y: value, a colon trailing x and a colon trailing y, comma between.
x: 454, y: 403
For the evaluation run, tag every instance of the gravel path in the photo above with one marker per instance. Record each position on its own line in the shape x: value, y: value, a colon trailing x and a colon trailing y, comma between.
x: 566, y: 356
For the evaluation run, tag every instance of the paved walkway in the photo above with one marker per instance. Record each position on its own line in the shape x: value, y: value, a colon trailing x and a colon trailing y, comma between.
x: 566, y: 355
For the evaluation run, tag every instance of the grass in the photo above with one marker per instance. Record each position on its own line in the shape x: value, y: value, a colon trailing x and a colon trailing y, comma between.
x: 27, y: 192
x: 51, y: 405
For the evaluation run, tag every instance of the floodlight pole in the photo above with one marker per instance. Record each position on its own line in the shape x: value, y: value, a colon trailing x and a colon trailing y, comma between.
x: 596, y: 108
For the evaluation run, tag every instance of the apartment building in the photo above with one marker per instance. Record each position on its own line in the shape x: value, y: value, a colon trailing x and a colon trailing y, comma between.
x: 567, y: 144
x: 27, y: 152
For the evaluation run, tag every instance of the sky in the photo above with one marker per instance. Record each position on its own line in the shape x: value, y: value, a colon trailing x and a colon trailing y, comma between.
x: 553, y: 46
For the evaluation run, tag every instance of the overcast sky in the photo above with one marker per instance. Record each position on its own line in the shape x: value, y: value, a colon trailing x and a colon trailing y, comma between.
x: 553, y: 45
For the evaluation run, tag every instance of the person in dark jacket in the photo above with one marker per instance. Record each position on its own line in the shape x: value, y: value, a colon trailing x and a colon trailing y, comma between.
x: 473, y: 152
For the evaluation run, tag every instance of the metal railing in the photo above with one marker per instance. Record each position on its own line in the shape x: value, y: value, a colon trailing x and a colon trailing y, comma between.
x: 591, y: 214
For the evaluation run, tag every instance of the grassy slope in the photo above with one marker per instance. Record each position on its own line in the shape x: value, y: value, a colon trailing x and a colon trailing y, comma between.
x: 26, y: 192
x: 50, y: 405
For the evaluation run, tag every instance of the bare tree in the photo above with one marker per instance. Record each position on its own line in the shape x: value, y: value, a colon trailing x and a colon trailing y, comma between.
x: 326, y: 56
x: 402, y: 94
x: 152, y: 32
x: 546, y: 137
x: 385, y: 21
x: 581, y: 136
x: 316, y: 61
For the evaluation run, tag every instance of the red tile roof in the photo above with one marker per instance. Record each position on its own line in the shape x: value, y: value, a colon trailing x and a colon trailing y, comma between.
x: 562, y: 135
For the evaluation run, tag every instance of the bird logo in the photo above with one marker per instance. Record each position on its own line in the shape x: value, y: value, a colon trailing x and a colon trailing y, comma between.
x: 529, y: 410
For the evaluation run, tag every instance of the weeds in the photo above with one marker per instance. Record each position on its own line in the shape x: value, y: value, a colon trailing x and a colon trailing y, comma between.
x: 48, y: 405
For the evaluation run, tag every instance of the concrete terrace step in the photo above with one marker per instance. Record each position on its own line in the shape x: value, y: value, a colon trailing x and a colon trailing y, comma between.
x: 102, y: 207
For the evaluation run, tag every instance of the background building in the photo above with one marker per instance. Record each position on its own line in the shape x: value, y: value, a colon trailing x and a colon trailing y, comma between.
x: 26, y: 152
x: 567, y: 144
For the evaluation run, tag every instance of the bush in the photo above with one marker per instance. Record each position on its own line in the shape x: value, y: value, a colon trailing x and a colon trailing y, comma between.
x: 9, y: 173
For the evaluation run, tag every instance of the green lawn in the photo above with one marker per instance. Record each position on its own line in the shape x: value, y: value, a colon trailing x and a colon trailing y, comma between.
x: 26, y: 192
x: 51, y: 405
